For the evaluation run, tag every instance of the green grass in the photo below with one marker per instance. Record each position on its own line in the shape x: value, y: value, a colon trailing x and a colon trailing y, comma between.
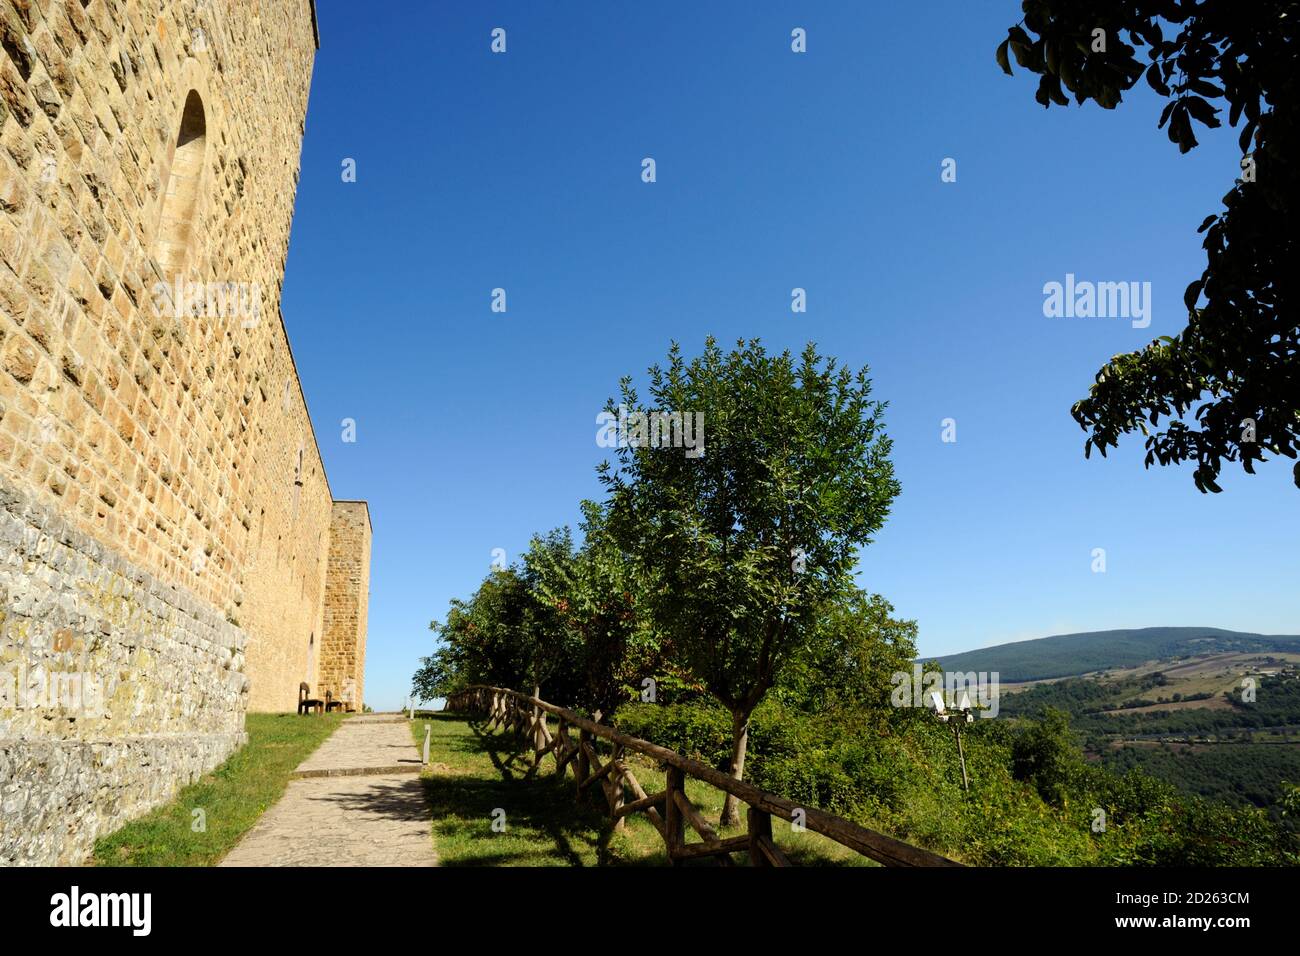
x: 231, y: 797
x: 474, y: 772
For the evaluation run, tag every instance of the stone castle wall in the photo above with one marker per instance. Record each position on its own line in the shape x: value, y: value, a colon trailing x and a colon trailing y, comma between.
x: 150, y: 409
x: 115, y: 688
x: 347, y: 595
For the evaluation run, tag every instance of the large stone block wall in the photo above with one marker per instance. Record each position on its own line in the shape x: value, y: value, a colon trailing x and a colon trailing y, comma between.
x: 168, y: 436
x: 347, y: 599
x: 115, y: 689
x: 145, y: 143
x: 176, y: 440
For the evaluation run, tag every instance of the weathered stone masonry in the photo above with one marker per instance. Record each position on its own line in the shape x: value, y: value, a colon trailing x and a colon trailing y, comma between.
x: 166, y: 552
x: 116, y: 687
x: 347, y: 588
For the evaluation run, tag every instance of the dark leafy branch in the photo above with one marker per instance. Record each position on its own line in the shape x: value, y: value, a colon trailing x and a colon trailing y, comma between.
x: 1228, y: 385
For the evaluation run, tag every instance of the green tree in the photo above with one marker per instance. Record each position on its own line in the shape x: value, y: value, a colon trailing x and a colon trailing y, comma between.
x: 851, y: 657
x: 1046, y: 755
x: 503, y: 636
x: 553, y: 650
x: 1228, y: 385
x: 443, y: 671
x: 1290, y: 802
x: 743, y: 546
x: 595, y: 596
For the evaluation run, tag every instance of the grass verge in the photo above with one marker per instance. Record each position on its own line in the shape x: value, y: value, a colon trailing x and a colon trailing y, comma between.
x: 478, y: 778
x: 231, y: 798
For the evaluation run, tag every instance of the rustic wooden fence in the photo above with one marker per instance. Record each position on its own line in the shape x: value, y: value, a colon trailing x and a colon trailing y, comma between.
x: 670, y: 811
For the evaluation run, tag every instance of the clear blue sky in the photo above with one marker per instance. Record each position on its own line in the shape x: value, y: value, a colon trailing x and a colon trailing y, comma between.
x: 775, y: 170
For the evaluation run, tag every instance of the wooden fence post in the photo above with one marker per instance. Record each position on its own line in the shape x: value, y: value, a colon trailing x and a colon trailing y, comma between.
x: 763, y: 850
x: 538, y: 727
x: 583, y: 765
x: 674, y: 822
x: 561, y: 751
x: 616, y: 797
x: 760, y: 826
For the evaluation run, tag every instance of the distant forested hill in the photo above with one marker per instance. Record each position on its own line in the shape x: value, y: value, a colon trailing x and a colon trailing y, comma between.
x: 1066, y: 655
x: 1245, y: 774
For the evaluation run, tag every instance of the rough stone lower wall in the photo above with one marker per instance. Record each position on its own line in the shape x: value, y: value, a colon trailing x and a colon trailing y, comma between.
x: 115, y: 689
x: 347, y: 597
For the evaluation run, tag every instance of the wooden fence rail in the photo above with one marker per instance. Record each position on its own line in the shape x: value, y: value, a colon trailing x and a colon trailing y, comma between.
x: 670, y: 811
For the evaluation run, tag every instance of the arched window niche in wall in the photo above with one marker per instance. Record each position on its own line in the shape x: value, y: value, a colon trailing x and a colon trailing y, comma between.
x: 176, y: 224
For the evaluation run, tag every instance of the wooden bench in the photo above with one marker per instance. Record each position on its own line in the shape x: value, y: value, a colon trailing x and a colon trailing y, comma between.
x: 307, y: 703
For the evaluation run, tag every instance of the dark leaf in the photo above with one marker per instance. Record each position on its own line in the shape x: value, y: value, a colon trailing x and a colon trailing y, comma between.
x: 1202, y: 111
x: 1002, y: 57
x: 1180, y: 131
x: 1157, y: 84
x: 1022, y: 47
x: 1247, y: 132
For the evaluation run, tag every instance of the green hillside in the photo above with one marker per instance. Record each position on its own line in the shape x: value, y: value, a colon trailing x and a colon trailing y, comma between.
x: 1066, y: 655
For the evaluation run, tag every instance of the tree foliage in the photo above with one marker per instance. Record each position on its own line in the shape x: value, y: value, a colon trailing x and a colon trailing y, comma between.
x: 1046, y: 755
x: 1033, y: 799
x: 745, y: 544
x: 504, y: 635
x: 1228, y: 386
x: 565, y: 618
x: 743, y: 547
x: 851, y: 656
x: 596, y: 599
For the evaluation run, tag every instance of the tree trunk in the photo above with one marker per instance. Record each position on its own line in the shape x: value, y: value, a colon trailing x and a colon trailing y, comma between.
x: 739, y: 741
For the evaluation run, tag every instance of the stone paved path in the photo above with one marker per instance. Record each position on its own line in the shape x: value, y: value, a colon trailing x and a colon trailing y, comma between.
x: 364, y: 744
x: 357, y: 801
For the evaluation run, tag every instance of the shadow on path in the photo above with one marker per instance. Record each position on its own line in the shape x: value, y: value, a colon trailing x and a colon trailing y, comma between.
x: 393, y: 799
